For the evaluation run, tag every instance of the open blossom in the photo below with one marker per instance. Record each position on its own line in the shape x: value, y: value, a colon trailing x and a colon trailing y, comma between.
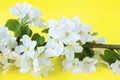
x: 7, y: 61
x: 4, y: 39
x: 4, y: 35
x: 63, y: 31
x: 20, y: 9
x: 88, y: 65
x: 27, y: 50
x: 25, y: 65
x: 101, y: 40
x: 41, y: 64
x: 27, y: 13
x: 115, y: 67
x: 38, y: 64
x: 20, y: 58
x: 71, y: 65
x: 27, y: 47
x: 74, y: 65
x: 83, y: 31
x: 12, y: 42
x: 53, y: 48
x: 71, y: 49
x: 69, y: 31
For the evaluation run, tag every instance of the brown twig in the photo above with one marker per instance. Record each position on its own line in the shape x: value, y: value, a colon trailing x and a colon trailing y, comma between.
x: 109, y: 46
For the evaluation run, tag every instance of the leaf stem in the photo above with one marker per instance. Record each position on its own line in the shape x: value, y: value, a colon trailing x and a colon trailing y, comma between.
x: 109, y: 46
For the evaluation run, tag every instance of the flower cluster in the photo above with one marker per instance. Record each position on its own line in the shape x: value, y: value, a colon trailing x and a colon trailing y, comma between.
x: 27, y: 13
x: 30, y: 52
x: 64, y: 38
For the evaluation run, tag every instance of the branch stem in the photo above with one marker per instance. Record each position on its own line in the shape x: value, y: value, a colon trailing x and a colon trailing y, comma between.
x: 109, y: 46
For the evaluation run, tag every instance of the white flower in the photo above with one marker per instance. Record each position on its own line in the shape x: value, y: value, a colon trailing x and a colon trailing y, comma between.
x: 83, y: 31
x: 101, y: 40
x: 115, y: 67
x: 27, y: 13
x: 34, y: 16
x: 63, y: 31
x: 71, y: 65
x: 4, y: 39
x: 41, y: 64
x: 4, y: 35
x: 53, y: 48
x: 7, y: 61
x: 12, y: 42
x: 69, y: 24
x: 25, y: 65
x: 52, y: 23
x: 7, y: 42
x: 70, y: 38
x: 76, y: 20
x: 71, y: 49
x: 5, y: 50
x: 72, y: 29
x: 88, y: 65
x: 27, y: 48
x: 20, y: 9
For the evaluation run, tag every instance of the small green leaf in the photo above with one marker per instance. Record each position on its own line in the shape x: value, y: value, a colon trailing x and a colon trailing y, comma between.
x: 13, y: 24
x: 45, y: 30
x: 110, y: 56
x: 39, y: 39
x: 87, y: 52
x: 113, y: 53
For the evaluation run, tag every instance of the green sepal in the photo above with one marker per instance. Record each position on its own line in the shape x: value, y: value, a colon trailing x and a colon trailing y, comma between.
x: 45, y: 30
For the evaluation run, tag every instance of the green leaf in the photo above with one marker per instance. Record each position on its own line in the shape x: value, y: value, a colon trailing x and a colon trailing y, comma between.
x: 13, y: 24
x: 39, y: 39
x: 110, y: 56
x: 113, y: 53
x: 24, y: 30
x: 27, y: 31
x: 87, y: 52
x: 45, y: 30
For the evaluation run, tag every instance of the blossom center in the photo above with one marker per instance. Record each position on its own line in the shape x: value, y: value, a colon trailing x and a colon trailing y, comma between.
x: 81, y: 32
x: 86, y: 63
x: 67, y: 34
x: 26, y: 49
x: 30, y: 61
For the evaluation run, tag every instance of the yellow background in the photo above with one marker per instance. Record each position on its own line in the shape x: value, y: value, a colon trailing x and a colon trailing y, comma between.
x: 102, y: 15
